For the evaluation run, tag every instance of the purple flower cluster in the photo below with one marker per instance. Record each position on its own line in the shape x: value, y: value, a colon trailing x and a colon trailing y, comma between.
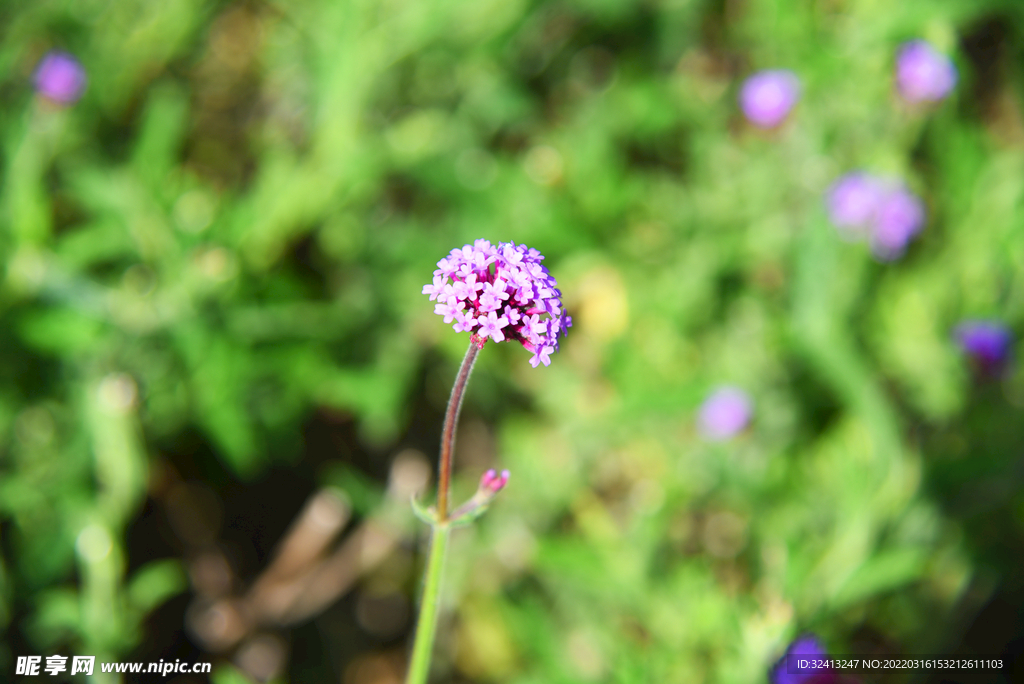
x: 60, y: 78
x: 883, y: 211
x: 724, y: 413
x: 924, y: 74
x: 502, y: 292
x: 767, y: 97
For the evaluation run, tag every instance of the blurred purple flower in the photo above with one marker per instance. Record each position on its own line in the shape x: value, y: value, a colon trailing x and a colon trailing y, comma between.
x: 788, y: 670
x: 724, y: 413
x: 60, y: 78
x: 923, y: 74
x: 900, y: 216
x: 853, y: 200
x: 987, y: 343
x: 885, y: 212
x: 767, y: 97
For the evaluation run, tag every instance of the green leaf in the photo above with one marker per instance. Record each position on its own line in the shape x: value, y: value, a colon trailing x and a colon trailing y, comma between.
x: 61, y: 331
x: 226, y: 674
x: 57, y: 617
x: 154, y: 583
x: 883, y: 572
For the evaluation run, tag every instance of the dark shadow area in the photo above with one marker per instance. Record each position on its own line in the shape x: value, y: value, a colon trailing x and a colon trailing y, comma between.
x: 974, y: 471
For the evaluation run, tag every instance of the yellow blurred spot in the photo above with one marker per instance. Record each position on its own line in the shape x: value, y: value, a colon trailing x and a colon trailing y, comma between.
x: 193, y: 211
x: 93, y: 543
x: 603, y: 310
x: 216, y: 264
x: 585, y: 655
x: 484, y: 646
x: 594, y: 519
x: 543, y: 165
x: 117, y: 393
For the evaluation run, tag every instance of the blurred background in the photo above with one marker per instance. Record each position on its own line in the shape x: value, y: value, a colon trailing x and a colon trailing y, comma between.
x: 220, y: 382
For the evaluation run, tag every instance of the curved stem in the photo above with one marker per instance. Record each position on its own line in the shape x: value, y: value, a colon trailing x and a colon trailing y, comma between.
x: 426, y: 626
x: 451, y: 419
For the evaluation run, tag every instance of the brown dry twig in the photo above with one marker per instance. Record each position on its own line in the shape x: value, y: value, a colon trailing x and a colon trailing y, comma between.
x: 306, y: 575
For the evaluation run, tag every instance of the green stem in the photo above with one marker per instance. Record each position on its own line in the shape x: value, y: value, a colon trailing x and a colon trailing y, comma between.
x: 426, y: 626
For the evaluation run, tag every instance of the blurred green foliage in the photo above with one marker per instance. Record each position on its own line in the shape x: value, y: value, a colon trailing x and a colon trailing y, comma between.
x: 230, y: 231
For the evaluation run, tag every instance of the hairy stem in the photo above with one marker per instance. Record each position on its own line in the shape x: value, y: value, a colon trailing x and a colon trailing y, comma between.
x: 451, y: 419
x: 426, y: 625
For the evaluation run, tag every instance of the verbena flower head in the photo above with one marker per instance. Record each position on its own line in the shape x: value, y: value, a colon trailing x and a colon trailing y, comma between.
x: 767, y: 97
x: 924, y: 74
x: 60, y: 78
x: 501, y: 292
x: 724, y: 413
x: 883, y: 211
x: 986, y: 343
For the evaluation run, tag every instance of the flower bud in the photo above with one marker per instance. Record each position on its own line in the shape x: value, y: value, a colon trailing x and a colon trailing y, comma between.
x: 492, y: 482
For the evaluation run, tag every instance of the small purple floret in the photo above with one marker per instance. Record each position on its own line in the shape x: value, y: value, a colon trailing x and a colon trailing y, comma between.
x: 502, y: 292
x: 883, y: 211
x: 767, y: 97
x: 924, y: 74
x: 987, y: 343
x: 724, y: 413
x: 60, y: 78
x: 491, y: 325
